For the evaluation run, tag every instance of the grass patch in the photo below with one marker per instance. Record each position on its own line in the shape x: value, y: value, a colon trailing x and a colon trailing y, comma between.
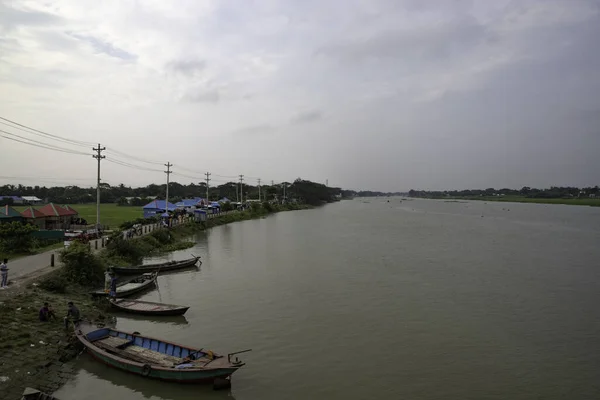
x: 110, y: 213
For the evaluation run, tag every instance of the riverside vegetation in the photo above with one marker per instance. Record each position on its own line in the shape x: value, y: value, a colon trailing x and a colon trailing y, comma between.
x: 36, y: 353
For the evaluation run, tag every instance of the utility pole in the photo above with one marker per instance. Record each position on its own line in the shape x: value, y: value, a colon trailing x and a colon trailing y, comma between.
x: 259, y: 190
x: 207, y: 180
x: 98, y: 157
x: 284, y: 192
x: 327, y: 182
x: 168, y: 172
x: 241, y: 188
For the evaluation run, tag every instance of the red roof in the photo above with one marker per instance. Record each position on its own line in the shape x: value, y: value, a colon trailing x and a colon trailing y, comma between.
x: 70, y: 209
x: 52, y: 210
x: 31, y: 212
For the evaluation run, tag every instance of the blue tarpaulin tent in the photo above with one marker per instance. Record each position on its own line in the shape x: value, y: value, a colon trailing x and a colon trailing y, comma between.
x: 157, y: 207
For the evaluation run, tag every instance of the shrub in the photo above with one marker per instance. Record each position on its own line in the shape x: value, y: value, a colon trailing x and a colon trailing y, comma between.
x: 268, y: 206
x: 55, y: 282
x: 81, y: 266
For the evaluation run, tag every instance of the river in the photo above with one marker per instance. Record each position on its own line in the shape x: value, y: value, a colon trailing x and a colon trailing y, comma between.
x: 370, y: 299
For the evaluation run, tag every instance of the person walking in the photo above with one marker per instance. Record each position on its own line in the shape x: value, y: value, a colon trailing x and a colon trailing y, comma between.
x: 4, y: 274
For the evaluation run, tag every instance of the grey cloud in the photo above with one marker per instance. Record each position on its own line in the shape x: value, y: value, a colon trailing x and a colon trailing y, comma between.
x: 306, y: 117
x: 411, y: 46
x: 187, y: 67
x: 102, y: 46
x: 202, y: 96
x: 254, y: 130
x: 13, y: 17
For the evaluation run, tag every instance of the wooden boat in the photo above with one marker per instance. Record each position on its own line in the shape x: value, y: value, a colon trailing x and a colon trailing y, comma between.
x: 148, y: 307
x: 163, y: 267
x: 132, y: 285
x: 156, y: 358
x: 34, y: 394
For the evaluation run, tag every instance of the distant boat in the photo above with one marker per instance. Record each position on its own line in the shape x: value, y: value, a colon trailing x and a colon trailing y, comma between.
x: 156, y: 358
x: 162, y: 267
x: 34, y: 394
x: 132, y: 285
x: 148, y: 307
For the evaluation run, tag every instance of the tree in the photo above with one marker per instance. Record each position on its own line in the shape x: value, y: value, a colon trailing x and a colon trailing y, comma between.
x: 16, y: 237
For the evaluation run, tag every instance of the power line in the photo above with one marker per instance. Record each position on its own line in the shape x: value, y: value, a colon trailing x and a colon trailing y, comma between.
x: 42, y: 145
x: 56, y: 137
x: 110, y: 149
x: 114, y: 160
x: 126, y: 164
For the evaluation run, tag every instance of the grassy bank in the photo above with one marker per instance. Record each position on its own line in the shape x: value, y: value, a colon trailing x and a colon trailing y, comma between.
x: 34, y: 353
x: 592, y: 202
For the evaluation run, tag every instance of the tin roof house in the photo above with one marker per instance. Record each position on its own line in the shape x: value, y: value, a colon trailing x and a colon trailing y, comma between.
x: 9, y: 214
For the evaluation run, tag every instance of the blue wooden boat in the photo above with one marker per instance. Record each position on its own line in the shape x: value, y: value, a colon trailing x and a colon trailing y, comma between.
x: 156, y: 358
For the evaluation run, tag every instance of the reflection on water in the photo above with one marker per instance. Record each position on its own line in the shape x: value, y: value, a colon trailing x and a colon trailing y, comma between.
x: 419, y: 300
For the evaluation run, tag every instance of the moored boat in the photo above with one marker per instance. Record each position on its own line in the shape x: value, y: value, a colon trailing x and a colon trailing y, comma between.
x: 156, y: 358
x: 34, y: 394
x: 162, y: 267
x: 132, y: 285
x: 148, y: 307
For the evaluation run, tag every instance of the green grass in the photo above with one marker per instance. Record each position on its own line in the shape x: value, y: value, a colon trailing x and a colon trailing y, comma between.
x: 110, y: 214
x: 595, y: 202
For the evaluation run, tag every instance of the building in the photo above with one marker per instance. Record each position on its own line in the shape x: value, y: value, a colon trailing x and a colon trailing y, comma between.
x: 58, y: 217
x: 188, y: 203
x: 35, y: 217
x: 156, y: 208
x: 9, y: 214
x: 31, y: 200
x: 15, y: 199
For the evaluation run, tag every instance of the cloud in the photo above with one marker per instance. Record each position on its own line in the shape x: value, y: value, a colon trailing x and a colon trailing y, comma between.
x: 306, y: 117
x: 254, y: 130
x: 187, y: 67
x: 104, y: 47
x: 455, y: 93
x: 202, y: 96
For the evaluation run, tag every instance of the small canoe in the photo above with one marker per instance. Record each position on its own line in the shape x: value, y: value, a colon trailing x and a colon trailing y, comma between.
x: 148, y: 307
x: 157, y: 358
x: 34, y: 394
x: 131, y: 286
x: 163, y: 267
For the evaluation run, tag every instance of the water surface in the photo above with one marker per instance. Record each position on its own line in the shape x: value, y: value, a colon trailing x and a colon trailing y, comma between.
x: 416, y: 299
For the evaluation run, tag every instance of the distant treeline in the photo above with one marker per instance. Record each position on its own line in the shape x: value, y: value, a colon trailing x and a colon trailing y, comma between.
x: 347, y: 194
x: 555, y: 192
x: 302, y: 191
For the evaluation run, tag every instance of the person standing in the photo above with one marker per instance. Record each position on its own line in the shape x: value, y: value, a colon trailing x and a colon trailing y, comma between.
x: 73, y: 315
x: 107, y: 279
x: 113, y: 286
x: 4, y: 274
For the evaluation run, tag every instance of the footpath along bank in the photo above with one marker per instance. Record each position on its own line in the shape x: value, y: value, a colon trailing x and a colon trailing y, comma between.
x: 36, y: 354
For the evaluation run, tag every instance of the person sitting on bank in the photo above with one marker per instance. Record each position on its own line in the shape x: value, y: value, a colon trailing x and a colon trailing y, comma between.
x: 73, y: 315
x: 46, y: 313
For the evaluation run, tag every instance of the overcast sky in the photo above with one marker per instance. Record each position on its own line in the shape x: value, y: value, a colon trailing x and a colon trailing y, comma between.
x: 369, y: 94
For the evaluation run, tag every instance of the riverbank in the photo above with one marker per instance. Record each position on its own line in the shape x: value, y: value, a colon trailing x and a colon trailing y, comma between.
x: 35, y: 353
x: 591, y: 202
